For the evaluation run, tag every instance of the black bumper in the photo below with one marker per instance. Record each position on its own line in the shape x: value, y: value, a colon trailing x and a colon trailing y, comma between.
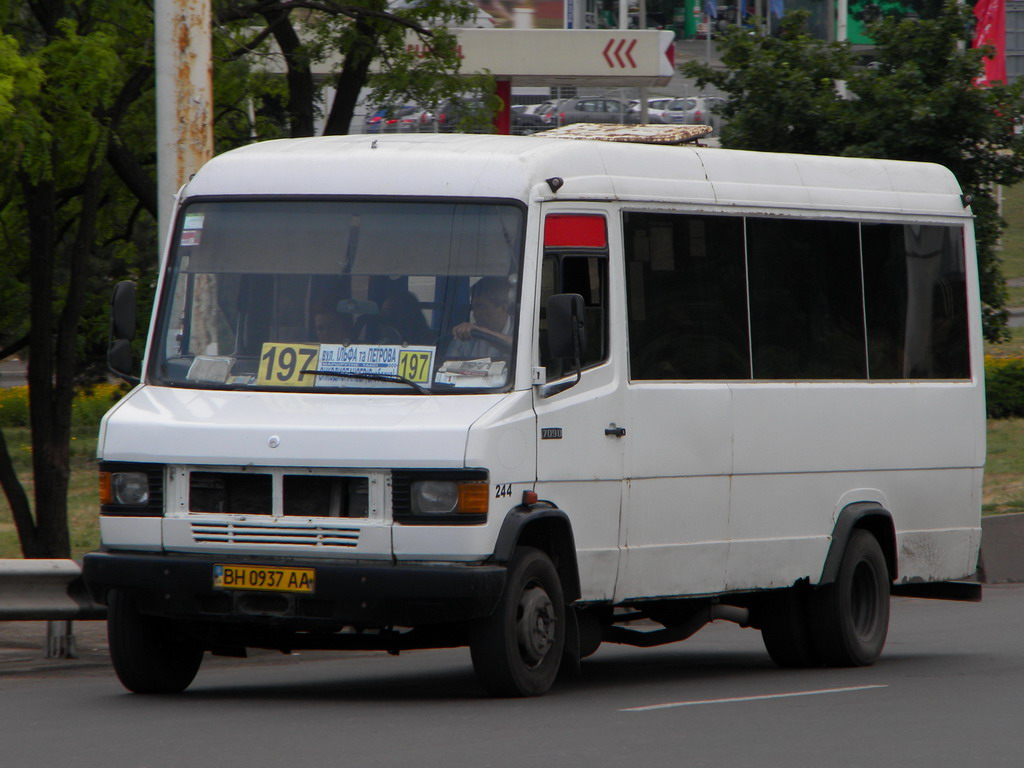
x: 347, y: 594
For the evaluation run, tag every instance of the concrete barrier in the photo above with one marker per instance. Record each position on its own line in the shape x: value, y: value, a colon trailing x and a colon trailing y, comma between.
x: 1002, y: 549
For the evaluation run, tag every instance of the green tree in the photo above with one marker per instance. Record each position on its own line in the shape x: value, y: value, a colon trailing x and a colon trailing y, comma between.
x: 66, y: 221
x: 78, y: 199
x: 914, y: 99
x: 353, y: 36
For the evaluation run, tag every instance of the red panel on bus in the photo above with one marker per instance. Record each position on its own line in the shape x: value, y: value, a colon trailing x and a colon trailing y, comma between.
x: 575, y: 231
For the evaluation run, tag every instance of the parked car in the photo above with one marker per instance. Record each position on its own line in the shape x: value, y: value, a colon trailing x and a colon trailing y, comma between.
x: 451, y: 113
x: 399, y: 119
x: 694, y: 110
x: 529, y: 118
x: 655, y: 109
x: 585, y: 110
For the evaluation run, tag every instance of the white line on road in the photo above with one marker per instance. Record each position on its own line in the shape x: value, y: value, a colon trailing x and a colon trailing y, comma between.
x: 765, y: 697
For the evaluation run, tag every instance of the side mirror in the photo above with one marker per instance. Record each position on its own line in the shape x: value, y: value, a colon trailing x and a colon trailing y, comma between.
x: 122, y: 331
x: 122, y: 311
x: 567, y: 336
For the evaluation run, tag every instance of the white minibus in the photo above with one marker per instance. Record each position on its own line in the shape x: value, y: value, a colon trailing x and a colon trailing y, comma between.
x: 529, y: 394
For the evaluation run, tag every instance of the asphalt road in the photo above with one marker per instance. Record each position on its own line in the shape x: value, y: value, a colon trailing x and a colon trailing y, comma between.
x: 947, y: 692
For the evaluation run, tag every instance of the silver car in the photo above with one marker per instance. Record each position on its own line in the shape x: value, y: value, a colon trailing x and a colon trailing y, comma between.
x: 694, y: 110
x: 585, y: 110
x: 655, y: 110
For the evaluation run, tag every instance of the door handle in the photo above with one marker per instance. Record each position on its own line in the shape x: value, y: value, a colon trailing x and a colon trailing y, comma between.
x: 613, y: 431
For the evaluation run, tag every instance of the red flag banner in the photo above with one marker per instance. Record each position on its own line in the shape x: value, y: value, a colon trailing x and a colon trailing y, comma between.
x: 991, y: 30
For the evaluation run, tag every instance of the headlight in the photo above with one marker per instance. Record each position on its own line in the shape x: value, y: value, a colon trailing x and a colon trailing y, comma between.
x: 131, y: 489
x: 434, y: 497
x: 442, y: 497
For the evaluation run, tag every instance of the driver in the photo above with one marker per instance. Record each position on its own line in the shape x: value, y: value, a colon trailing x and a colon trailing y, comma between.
x: 489, y: 304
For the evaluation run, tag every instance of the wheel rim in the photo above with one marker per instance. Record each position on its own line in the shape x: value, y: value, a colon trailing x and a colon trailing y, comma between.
x: 535, y: 625
x: 864, y: 601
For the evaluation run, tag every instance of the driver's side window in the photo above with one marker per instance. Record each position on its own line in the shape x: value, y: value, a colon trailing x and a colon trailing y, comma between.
x: 587, y: 275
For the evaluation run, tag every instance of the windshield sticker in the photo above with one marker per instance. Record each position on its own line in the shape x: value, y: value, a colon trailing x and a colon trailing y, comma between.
x: 282, y: 365
x: 194, y: 220
x: 338, y: 365
x: 191, y: 237
x: 387, y: 361
x: 471, y: 373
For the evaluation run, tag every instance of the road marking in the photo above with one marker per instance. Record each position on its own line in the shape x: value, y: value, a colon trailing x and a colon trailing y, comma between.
x: 765, y: 697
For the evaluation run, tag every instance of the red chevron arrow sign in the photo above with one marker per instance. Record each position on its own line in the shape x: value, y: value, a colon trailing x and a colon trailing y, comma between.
x: 615, y: 57
x: 582, y: 57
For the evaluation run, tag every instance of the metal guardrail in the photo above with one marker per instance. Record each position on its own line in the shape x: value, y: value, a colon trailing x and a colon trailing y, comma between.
x: 45, y: 590
x: 50, y: 591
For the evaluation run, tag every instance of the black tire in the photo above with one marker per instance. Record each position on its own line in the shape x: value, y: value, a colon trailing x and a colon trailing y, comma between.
x: 517, y: 651
x: 785, y: 629
x: 850, y: 617
x: 149, y: 654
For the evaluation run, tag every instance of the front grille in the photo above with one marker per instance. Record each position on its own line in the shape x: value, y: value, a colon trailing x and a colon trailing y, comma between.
x: 303, y: 495
x: 256, y: 533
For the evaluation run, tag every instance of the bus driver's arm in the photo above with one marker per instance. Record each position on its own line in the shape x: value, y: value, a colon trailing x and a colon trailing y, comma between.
x: 464, y: 332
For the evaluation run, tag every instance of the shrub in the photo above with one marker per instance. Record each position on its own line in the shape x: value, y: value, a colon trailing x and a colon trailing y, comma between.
x: 87, y: 408
x: 1004, y: 387
x: 89, y: 405
x: 14, y: 407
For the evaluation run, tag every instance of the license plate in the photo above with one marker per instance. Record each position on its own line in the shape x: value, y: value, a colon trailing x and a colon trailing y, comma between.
x: 264, y: 578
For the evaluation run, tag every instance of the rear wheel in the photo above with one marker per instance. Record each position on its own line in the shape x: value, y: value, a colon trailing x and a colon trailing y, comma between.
x: 149, y: 654
x: 518, y: 649
x: 850, y: 617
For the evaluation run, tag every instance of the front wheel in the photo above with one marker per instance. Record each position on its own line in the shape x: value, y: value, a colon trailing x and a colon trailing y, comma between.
x: 148, y: 653
x: 518, y: 649
x: 850, y: 617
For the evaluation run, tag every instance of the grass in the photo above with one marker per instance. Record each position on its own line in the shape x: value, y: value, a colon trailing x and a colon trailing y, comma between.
x: 83, y: 493
x: 1004, y: 470
x: 1012, y: 251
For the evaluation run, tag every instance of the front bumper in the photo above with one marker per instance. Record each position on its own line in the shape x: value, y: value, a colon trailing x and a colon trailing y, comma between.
x: 356, y: 594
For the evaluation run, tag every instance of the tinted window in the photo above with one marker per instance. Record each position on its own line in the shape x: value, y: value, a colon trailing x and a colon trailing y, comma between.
x: 827, y: 300
x: 806, y: 312
x: 916, y: 301
x: 687, y: 300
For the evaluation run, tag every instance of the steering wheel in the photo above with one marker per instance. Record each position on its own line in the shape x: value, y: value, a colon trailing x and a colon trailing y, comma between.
x: 495, y: 341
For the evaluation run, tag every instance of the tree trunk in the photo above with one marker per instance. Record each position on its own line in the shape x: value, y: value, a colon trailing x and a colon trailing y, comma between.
x: 351, y: 80
x: 52, y: 358
x: 49, y: 451
x: 301, y: 91
x: 21, y: 510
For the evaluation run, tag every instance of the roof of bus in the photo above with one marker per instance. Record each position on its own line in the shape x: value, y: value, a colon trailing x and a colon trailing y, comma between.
x: 517, y: 167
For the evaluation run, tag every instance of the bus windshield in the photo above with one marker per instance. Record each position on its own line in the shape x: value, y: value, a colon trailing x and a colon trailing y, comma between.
x: 341, y: 296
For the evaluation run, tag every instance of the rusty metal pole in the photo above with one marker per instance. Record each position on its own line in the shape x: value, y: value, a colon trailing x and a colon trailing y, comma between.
x: 184, y: 98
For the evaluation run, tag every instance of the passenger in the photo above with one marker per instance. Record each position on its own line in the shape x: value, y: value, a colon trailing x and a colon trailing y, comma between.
x: 401, y: 311
x: 490, y: 332
x: 332, y: 327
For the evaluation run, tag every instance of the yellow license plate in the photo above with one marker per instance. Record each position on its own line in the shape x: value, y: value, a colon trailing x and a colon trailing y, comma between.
x: 264, y: 578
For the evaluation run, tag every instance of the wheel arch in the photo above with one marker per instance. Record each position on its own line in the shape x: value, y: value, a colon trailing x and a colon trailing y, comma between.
x: 549, y: 529
x: 869, y: 516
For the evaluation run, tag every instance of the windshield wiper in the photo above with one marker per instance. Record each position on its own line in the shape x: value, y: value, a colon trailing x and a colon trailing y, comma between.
x: 369, y: 377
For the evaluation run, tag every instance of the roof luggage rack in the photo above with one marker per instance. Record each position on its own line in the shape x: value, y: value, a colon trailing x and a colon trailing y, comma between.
x: 635, y: 134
